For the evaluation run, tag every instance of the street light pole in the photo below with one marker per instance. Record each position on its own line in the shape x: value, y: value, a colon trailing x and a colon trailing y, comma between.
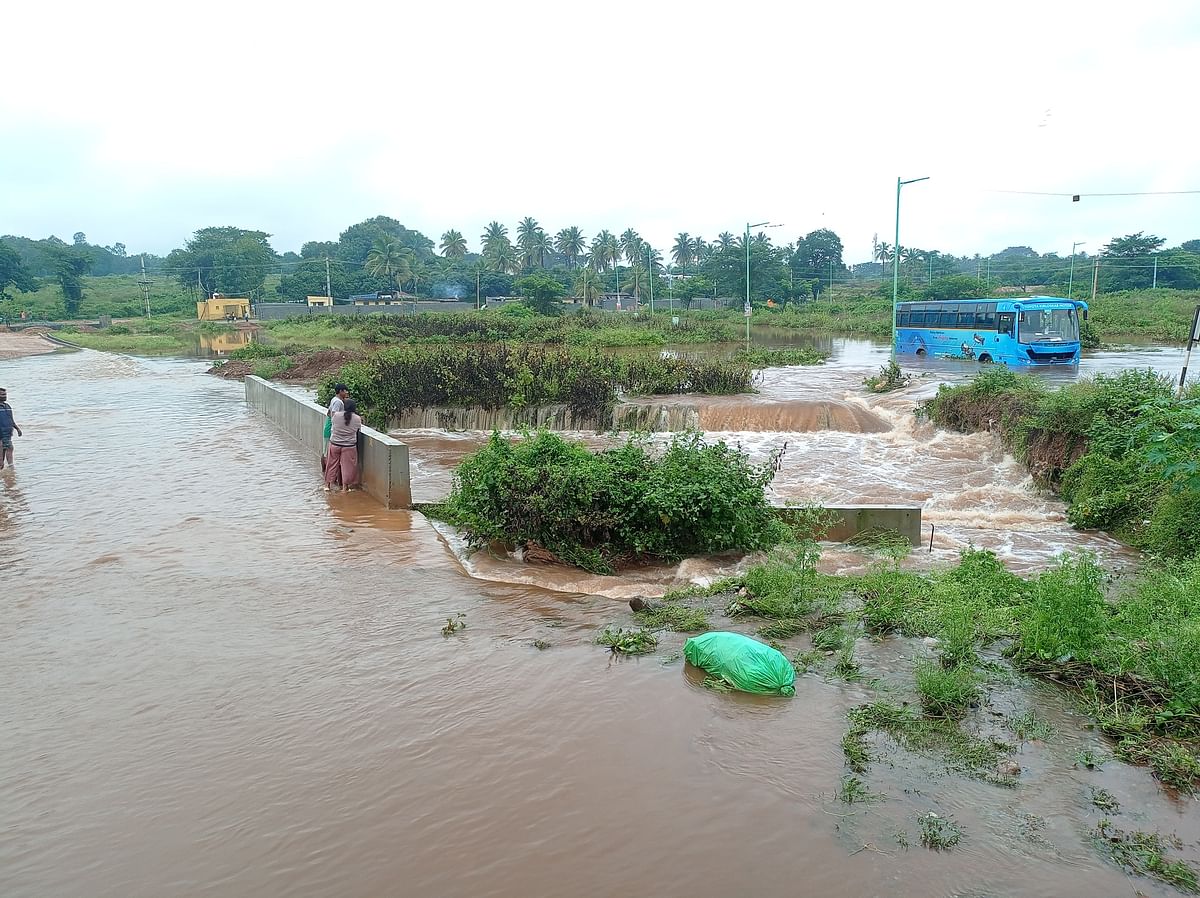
x: 746, y: 311
x: 1071, y: 277
x: 896, y: 257
x: 650, y: 268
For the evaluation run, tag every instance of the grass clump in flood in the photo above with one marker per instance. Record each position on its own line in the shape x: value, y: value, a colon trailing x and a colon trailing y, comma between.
x: 934, y: 737
x: 1029, y: 726
x: 946, y: 691
x: 673, y: 616
x: 852, y: 790
x: 627, y: 642
x: 938, y: 833
x: 1146, y: 854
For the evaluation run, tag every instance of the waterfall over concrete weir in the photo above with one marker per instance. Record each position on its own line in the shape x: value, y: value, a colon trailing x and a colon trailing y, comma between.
x: 662, y: 415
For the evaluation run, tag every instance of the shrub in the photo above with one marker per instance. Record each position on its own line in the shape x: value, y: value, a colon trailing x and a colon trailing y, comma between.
x: 593, y: 509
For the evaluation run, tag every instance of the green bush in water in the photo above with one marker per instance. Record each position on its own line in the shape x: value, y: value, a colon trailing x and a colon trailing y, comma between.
x: 593, y: 509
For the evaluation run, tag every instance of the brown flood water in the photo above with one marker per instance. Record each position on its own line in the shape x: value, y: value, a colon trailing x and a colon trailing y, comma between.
x: 219, y: 681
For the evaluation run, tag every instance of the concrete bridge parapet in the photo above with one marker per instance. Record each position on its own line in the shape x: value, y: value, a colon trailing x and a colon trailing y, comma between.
x: 383, y: 460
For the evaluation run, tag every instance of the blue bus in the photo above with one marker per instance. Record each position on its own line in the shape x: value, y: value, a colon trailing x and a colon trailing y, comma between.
x: 1031, y: 330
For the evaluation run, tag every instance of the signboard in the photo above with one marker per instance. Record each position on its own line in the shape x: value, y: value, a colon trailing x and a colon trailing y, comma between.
x: 746, y: 310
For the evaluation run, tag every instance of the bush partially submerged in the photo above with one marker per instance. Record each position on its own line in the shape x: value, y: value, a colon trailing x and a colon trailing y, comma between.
x: 596, y: 509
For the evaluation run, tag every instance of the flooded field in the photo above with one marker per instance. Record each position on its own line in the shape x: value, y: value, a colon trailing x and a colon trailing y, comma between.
x: 220, y: 681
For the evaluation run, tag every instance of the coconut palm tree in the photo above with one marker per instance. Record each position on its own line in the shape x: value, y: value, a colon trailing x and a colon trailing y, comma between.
x: 527, y: 232
x: 391, y: 260
x: 631, y: 245
x: 912, y: 257
x: 883, y: 254
x: 682, y: 252
x: 542, y: 246
x: 700, y: 249
x: 588, y: 286
x: 613, y: 245
x: 570, y: 242
x: 602, y: 250
x: 726, y: 241
x: 454, y: 245
x: 636, y: 279
x: 502, y: 257
x: 494, y: 232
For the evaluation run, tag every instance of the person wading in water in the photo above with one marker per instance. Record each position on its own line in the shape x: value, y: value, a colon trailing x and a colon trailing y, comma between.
x: 343, y: 448
x: 7, y: 426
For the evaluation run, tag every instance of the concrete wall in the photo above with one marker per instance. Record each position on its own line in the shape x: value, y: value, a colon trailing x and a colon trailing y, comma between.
x: 275, y: 311
x: 850, y: 520
x: 383, y: 460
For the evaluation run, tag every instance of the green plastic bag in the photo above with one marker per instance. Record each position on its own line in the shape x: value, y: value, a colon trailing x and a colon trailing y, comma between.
x: 328, y: 427
x: 742, y: 662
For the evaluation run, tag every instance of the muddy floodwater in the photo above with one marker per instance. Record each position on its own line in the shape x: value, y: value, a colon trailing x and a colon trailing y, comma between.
x: 218, y: 680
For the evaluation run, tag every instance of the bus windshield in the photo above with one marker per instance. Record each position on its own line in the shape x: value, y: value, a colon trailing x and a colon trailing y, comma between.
x: 1039, y: 325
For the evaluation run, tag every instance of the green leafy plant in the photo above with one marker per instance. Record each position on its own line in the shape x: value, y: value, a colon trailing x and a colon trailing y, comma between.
x: 628, y: 642
x: 938, y: 833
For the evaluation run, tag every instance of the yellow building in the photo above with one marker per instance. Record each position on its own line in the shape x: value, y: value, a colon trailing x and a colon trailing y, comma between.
x: 319, y: 301
x: 220, y: 308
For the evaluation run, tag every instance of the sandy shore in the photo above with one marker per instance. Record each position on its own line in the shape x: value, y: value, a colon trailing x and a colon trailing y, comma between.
x: 14, y: 346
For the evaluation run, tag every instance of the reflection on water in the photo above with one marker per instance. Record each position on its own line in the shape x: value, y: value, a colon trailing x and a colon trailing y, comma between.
x: 220, y: 343
x: 220, y: 681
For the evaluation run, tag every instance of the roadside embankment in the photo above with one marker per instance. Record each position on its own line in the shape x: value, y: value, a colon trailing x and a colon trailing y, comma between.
x: 16, y: 346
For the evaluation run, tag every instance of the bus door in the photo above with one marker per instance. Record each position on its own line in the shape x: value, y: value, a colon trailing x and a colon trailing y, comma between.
x: 1004, y: 324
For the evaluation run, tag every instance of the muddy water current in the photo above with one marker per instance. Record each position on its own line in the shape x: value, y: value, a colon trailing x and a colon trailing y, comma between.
x: 218, y: 680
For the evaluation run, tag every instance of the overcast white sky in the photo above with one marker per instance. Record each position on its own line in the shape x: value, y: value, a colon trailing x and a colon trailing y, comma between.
x: 141, y: 122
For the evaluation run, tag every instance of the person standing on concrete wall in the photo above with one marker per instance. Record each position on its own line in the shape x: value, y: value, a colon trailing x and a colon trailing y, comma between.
x: 343, y: 448
x: 7, y: 426
x: 336, y: 407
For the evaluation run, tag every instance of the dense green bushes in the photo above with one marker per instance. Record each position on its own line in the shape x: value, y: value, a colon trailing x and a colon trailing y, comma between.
x: 593, y: 509
x: 494, y: 376
x: 584, y: 328
x: 1122, y: 450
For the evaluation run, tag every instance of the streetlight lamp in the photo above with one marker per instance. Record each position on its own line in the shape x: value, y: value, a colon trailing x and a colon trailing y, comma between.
x: 1071, y: 277
x: 896, y: 257
x: 746, y: 311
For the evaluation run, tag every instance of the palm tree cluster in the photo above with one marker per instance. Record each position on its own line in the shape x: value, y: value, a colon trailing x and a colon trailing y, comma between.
x: 534, y: 245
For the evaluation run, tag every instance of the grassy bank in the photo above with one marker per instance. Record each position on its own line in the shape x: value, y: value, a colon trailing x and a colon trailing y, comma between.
x: 1121, y: 450
x: 1130, y: 659
x: 157, y: 336
x: 120, y: 296
x: 1163, y: 315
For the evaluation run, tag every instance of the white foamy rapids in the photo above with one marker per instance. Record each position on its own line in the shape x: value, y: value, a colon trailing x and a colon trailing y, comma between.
x: 651, y: 580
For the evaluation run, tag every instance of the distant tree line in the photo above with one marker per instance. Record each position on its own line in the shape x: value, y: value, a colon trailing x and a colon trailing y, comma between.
x: 381, y: 254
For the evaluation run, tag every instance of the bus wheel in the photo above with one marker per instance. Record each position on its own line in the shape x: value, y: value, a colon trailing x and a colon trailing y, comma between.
x: 985, y: 359
x: 920, y: 352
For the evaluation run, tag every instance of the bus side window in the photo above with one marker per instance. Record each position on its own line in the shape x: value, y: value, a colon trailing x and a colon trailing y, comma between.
x: 966, y: 319
x: 946, y: 319
x: 1006, y: 323
x: 903, y: 319
x: 985, y: 321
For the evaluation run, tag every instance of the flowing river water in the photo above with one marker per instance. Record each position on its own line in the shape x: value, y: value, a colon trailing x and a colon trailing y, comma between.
x: 218, y: 680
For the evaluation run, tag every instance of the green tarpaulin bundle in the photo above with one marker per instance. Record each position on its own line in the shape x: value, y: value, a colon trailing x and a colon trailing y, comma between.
x: 742, y: 662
